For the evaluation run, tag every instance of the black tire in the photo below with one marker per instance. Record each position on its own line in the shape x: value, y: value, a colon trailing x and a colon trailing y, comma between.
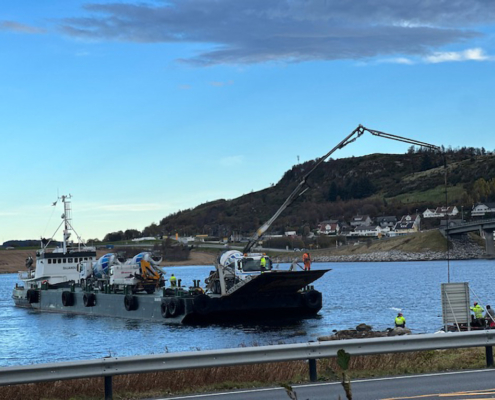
x: 130, y: 302
x: 313, y: 299
x: 174, y: 307
x: 201, y: 304
x: 33, y: 296
x: 89, y: 299
x: 67, y: 299
x: 164, y: 310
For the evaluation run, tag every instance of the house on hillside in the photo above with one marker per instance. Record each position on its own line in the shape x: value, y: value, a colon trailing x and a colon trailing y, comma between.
x: 408, y: 224
x: 369, y: 231
x: 441, y: 212
x: 361, y: 220
x: 430, y: 213
x: 330, y: 227
x: 481, y: 209
x: 386, y: 221
x: 451, y: 211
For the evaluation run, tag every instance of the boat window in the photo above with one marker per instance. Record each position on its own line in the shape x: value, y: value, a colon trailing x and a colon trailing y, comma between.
x: 59, y: 261
x: 49, y: 261
x: 86, y: 258
x: 248, y: 264
x: 69, y: 260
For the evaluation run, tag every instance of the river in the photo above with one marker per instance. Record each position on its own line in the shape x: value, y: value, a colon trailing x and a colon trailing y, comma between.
x: 353, y: 293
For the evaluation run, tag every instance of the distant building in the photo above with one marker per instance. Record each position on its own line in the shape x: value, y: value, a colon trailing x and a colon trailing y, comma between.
x: 441, y: 212
x: 408, y: 224
x: 330, y: 227
x: 361, y: 220
x: 369, y: 231
x: 386, y: 221
x: 481, y: 209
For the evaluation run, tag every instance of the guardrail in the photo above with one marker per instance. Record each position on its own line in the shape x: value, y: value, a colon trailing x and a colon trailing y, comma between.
x: 108, y: 367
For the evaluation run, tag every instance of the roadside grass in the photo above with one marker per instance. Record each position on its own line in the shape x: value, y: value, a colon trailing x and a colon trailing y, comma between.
x: 159, y: 384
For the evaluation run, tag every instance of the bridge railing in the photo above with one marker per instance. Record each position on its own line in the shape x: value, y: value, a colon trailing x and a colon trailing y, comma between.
x: 108, y: 367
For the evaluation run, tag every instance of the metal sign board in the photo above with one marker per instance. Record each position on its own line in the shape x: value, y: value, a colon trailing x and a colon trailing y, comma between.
x: 455, y: 303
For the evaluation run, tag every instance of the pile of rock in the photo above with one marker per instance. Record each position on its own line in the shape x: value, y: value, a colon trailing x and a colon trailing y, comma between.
x: 364, y: 331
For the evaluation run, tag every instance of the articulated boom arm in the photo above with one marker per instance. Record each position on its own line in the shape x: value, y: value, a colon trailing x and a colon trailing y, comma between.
x: 302, y: 187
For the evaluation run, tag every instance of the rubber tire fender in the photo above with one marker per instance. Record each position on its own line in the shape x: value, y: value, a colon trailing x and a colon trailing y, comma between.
x: 67, y: 299
x: 174, y: 307
x: 130, y: 302
x: 164, y: 310
x: 312, y: 299
x: 201, y: 304
x: 89, y: 299
x: 33, y: 296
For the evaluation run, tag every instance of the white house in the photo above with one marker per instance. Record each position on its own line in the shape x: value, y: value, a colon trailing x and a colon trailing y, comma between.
x: 441, y: 212
x: 369, y: 231
x: 480, y: 209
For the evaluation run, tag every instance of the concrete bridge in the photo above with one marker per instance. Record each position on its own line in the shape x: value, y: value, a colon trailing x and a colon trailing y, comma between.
x: 486, y: 226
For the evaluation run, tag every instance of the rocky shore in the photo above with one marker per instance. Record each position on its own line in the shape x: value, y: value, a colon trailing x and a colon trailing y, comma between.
x: 461, y: 249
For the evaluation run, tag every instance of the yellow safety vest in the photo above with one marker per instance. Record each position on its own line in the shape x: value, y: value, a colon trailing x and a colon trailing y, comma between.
x: 478, y: 311
x: 400, y: 321
x: 173, y: 281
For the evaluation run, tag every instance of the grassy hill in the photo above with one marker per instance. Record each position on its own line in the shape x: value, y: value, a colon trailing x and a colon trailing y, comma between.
x: 377, y: 184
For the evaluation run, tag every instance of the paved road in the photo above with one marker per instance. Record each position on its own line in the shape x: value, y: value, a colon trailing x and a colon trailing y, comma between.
x: 478, y: 384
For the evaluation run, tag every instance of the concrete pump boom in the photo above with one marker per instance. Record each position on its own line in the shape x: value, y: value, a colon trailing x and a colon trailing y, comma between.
x: 301, y: 187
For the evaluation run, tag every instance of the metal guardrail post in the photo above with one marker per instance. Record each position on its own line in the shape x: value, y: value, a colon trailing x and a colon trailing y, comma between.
x: 108, y: 388
x: 313, y: 374
x: 489, y: 356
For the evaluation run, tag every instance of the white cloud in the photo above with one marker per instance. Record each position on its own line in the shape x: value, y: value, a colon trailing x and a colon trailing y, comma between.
x: 476, y: 54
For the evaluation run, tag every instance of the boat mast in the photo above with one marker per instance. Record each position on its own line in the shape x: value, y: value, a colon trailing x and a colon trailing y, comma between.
x: 66, y: 216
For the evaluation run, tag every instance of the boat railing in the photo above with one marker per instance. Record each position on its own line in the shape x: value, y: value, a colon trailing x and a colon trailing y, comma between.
x: 23, y: 275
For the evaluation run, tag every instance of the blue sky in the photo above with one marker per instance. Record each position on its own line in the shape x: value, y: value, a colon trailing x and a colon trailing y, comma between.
x: 141, y: 109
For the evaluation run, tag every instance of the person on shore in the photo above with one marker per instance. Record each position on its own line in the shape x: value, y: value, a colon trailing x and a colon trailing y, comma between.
x: 173, y: 281
x: 400, y: 321
x: 477, y: 319
x: 307, y: 261
x: 490, y: 317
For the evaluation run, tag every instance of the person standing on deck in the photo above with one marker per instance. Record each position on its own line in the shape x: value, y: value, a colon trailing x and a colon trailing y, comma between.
x: 307, y: 261
x: 263, y: 263
x: 173, y: 281
x: 477, y: 319
x: 490, y: 317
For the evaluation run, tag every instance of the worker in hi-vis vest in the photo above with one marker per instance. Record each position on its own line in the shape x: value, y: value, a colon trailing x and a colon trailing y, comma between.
x: 400, y: 321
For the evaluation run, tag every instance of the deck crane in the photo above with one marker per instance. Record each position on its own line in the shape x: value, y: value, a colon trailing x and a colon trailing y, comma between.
x: 302, y: 187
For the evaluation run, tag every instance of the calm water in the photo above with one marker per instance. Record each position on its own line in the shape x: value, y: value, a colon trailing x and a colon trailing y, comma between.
x: 352, y: 293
